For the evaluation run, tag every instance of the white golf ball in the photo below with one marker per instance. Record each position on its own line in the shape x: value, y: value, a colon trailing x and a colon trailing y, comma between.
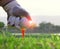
x: 25, y: 22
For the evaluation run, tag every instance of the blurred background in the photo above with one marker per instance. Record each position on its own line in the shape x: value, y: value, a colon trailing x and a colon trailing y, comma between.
x: 45, y: 13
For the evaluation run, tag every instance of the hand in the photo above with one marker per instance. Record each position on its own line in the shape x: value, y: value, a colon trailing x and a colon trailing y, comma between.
x: 19, y: 23
x: 18, y: 12
x: 20, y: 18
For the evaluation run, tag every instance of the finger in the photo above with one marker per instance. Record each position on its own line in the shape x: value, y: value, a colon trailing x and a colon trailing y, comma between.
x: 21, y: 12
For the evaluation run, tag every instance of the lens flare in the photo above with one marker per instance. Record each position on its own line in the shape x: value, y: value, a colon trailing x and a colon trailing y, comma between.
x: 30, y: 22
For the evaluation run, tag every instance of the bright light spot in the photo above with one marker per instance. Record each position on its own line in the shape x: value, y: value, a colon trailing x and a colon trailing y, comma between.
x: 30, y: 22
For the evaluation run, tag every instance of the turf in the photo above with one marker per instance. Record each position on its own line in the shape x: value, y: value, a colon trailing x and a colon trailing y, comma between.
x: 42, y: 41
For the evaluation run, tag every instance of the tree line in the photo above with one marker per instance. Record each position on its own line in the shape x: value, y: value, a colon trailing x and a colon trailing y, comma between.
x: 42, y: 28
x: 46, y: 28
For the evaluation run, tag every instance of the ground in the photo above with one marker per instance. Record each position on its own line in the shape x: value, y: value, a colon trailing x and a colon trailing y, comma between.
x: 31, y: 41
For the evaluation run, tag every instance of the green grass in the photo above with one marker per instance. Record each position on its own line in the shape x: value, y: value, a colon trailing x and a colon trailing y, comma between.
x: 43, y: 41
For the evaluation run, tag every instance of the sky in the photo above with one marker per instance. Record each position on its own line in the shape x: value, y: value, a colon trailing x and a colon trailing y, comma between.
x: 40, y: 10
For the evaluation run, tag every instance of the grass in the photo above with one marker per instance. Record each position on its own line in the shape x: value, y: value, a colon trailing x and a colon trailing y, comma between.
x: 42, y: 41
